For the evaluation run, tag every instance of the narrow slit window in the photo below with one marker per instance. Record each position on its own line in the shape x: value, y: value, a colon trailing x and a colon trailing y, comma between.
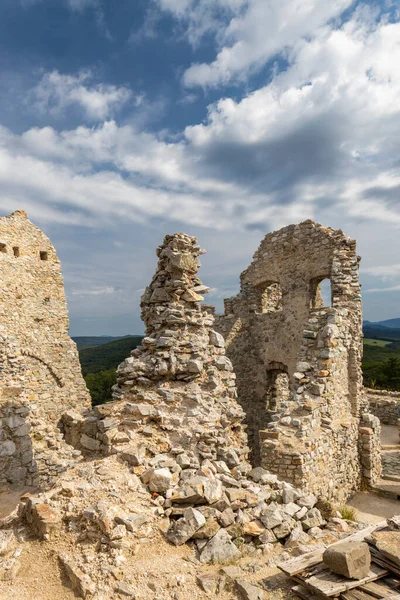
x: 44, y: 255
x: 16, y: 251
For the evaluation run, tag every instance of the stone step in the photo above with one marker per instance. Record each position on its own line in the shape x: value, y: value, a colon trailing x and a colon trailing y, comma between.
x: 388, y: 488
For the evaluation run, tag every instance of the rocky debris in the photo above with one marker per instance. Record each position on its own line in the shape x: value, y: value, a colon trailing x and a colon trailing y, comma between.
x: 211, y: 583
x: 9, y: 555
x: 219, y: 549
x: 41, y: 517
x: 80, y: 582
x: 125, y: 589
x: 185, y: 528
x: 351, y: 559
x: 249, y: 591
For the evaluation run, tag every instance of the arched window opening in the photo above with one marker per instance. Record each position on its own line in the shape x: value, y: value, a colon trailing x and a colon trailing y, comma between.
x: 44, y: 255
x: 320, y: 292
x: 3, y: 247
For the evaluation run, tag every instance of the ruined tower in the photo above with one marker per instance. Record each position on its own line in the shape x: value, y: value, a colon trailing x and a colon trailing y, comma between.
x: 40, y: 373
x: 179, y: 376
x: 298, y: 361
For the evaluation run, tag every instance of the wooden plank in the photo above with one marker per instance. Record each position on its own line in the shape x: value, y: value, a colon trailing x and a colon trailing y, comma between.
x: 332, y: 584
x: 348, y: 595
x: 296, y: 565
x: 304, y: 593
x: 360, y: 595
x: 377, y: 590
x: 384, y: 588
x: 383, y: 561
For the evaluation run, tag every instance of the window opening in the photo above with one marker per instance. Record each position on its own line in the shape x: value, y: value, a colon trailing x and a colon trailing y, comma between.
x: 320, y: 292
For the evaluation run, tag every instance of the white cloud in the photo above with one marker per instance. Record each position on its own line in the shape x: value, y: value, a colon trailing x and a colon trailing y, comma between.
x: 96, y: 292
x: 55, y: 92
x: 248, y: 32
x: 383, y: 270
x: 324, y: 132
x: 395, y: 288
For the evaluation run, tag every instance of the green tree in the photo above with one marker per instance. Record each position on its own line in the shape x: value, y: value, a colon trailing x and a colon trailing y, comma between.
x: 100, y: 384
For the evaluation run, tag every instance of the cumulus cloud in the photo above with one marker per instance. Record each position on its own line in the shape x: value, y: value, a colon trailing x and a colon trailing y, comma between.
x: 55, y: 92
x: 248, y: 33
x: 323, y: 133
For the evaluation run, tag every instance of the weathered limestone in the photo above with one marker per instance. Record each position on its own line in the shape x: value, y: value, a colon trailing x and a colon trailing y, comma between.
x: 40, y: 375
x: 298, y: 363
x: 351, y: 559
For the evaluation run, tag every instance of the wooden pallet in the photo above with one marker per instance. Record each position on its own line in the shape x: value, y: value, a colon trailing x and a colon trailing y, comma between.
x: 318, y: 582
x: 296, y: 565
x: 321, y: 580
x: 385, y: 589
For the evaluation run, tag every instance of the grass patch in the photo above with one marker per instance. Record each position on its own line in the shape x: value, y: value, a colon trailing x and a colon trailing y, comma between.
x: 348, y: 513
x: 377, y: 343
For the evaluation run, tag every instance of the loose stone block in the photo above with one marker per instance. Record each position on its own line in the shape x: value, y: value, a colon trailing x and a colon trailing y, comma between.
x: 351, y: 559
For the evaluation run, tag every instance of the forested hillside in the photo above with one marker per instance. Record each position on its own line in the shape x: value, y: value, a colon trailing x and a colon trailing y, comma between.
x: 100, y: 362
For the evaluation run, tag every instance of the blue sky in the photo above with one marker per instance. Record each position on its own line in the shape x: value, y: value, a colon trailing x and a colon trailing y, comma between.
x: 123, y: 121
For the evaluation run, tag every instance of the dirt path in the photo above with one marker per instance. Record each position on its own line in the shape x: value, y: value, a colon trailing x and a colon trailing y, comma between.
x: 372, y: 508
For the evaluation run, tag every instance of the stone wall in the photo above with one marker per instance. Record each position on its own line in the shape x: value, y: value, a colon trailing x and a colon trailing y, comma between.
x: 37, y: 355
x: 17, y: 464
x: 277, y: 330
x: 385, y: 405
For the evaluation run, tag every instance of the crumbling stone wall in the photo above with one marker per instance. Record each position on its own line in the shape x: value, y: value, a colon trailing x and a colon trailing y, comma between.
x: 17, y: 464
x: 277, y: 330
x: 36, y: 353
x: 385, y: 405
x: 177, y: 389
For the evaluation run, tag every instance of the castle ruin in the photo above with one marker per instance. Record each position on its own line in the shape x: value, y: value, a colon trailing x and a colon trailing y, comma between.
x: 40, y: 373
x: 298, y: 362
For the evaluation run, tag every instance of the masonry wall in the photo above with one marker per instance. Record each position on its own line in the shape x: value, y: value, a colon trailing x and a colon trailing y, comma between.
x: 17, y: 464
x: 37, y: 356
x: 385, y: 405
x: 276, y: 328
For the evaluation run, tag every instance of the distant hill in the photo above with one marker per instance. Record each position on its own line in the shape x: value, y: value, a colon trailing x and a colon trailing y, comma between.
x: 108, y: 355
x: 96, y: 340
x: 381, y: 332
x: 392, y: 323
